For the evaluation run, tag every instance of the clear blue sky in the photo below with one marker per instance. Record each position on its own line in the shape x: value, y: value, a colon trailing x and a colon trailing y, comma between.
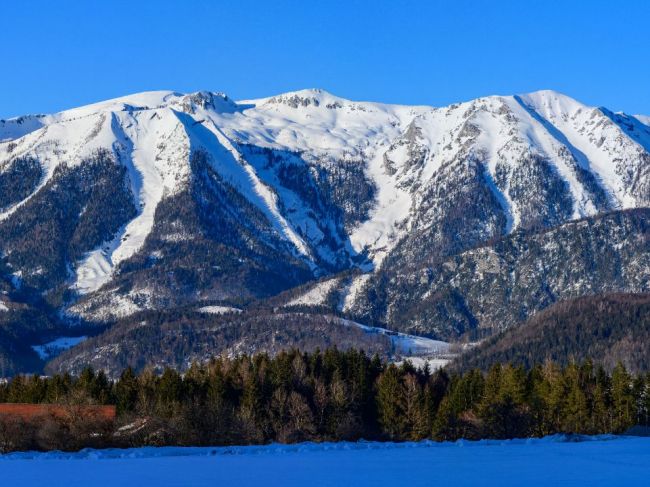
x: 61, y: 54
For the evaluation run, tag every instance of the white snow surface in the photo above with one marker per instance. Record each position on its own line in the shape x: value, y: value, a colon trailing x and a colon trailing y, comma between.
x: 405, y: 344
x: 3, y: 306
x: 219, y: 310
x: 316, y: 295
x: 352, y: 290
x: 57, y: 346
x: 153, y: 135
x: 109, y: 304
x: 555, y: 460
x: 422, y: 362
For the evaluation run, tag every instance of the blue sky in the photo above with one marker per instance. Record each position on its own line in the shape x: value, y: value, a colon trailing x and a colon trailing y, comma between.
x: 57, y: 55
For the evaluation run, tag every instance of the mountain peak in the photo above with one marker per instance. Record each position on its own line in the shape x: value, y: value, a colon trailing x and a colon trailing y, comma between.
x: 313, y: 97
x: 190, y: 102
x: 207, y: 100
x: 551, y: 99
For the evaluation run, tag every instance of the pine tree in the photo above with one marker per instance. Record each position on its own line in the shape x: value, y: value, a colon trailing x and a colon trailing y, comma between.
x: 251, y: 408
x: 126, y: 392
x: 622, y: 399
x: 446, y: 423
x: 390, y: 397
x: 414, y: 415
x: 638, y: 391
x: 492, y: 387
x: 35, y: 389
x: 576, y: 414
x: 169, y: 391
x: 555, y: 398
x: 646, y: 402
x: 57, y: 388
x: 513, y: 384
x: 16, y: 389
x: 537, y: 392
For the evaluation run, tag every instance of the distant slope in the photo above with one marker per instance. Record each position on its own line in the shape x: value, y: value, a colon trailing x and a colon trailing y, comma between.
x: 606, y: 328
x: 180, y: 337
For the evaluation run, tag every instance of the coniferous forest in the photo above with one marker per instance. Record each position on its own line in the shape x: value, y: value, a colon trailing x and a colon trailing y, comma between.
x: 325, y: 396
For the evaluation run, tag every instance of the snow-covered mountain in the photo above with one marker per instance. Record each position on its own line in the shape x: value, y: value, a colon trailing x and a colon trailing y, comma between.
x: 162, y: 199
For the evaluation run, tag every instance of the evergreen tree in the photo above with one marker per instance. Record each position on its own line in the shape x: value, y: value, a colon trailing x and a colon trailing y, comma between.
x: 390, y: 405
x: 446, y: 423
x: 169, y: 391
x: 126, y: 392
x: 645, y: 405
x: 415, y: 424
x: 622, y: 399
x: 555, y: 398
x: 601, y: 417
x: 576, y: 413
x: 538, y: 389
x: 251, y: 409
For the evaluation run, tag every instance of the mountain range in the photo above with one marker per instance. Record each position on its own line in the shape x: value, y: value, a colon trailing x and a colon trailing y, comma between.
x: 451, y: 223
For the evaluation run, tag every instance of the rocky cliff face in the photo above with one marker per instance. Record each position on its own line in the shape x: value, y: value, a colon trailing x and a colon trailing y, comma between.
x: 497, y: 285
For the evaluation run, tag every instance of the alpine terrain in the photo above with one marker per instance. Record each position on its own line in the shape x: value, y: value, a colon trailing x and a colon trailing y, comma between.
x: 171, y: 227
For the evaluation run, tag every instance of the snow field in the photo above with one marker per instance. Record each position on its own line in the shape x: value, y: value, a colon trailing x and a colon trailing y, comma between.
x: 555, y: 460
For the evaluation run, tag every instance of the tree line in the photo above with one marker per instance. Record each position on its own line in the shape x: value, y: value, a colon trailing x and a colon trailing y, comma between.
x: 329, y: 396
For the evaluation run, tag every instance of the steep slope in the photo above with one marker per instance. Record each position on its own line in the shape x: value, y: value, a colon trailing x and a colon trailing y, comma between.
x: 74, y: 212
x: 207, y: 243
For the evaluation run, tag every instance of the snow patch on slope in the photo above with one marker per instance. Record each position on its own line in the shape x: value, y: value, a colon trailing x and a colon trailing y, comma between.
x: 404, y: 343
x: 595, y: 142
x: 352, y: 290
x: 110, y: 304
x: 55, y: 347
x: 317, y: 295
x: 18, y: 127
x: 155, y: 150
x: 227, y: 161
x: 219, y: 310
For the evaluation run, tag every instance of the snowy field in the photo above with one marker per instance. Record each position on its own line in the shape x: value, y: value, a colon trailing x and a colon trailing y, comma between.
x: 551, y: 461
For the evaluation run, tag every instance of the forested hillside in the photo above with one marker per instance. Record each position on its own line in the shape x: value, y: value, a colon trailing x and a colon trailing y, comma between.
x: 610, y: 328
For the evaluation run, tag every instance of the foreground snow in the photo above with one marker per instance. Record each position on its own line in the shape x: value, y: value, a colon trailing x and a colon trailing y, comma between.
x: 603, y: 460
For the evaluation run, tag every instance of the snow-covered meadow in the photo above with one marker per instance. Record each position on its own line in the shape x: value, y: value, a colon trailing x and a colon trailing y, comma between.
x: 556, y: 460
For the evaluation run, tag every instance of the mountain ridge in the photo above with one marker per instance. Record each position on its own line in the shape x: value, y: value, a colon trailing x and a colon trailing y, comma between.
x: 163, y: 199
